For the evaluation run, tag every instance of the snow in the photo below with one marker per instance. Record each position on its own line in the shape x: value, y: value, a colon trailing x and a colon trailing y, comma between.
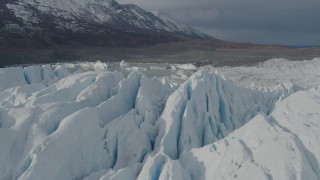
x: 176, y: 25
x: 276, y: 71
x: 33, y: 74
x: 302, y: 108
x: 99, y: 66
x: 123, y: 64
x: 93, y: 121
x: 127, y: 174
x: 11, y: 77
x: 283, y: 145
x: 135, y: 69
x: 187, y: 67
x: 250, y: 153
x: 67, y: 13
x: 208, y: 108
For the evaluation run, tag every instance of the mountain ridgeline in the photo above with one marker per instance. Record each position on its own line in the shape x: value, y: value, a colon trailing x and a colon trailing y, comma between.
x: 76, y: 23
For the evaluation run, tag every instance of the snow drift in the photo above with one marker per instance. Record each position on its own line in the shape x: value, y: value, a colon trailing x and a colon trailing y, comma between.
x: 55, y: 124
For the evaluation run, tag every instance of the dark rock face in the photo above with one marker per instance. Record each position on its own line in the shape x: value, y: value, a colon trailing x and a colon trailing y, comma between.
x: 70, y: 23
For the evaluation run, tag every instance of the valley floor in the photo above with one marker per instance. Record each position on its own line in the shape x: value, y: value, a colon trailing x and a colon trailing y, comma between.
x: 198, y: 52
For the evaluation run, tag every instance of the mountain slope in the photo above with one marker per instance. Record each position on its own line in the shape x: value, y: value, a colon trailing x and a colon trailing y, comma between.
x: 97, y: 22
x: 175, y: 24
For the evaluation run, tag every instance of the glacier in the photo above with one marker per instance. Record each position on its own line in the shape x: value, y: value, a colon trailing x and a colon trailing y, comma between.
x: 108, y: 121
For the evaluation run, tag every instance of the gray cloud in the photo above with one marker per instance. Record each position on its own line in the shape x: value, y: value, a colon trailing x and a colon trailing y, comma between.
x: 289, y: 22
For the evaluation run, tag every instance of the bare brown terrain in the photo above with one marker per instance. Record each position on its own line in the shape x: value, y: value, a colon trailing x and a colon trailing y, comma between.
x: 200, y: 52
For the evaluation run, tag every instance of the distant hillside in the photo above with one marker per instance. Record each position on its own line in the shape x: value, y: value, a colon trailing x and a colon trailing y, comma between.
x: 71, y: 23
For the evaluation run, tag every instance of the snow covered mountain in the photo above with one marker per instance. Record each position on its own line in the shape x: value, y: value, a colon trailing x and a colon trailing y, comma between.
x: 59, y: 21
x: 175, y: 24
x: 62, y: 124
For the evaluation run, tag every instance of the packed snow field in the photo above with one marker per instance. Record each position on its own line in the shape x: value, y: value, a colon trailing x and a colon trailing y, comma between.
x: 160, y: 121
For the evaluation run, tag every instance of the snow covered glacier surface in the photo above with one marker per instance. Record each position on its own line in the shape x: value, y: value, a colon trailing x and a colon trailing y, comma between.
x: 57, y: 124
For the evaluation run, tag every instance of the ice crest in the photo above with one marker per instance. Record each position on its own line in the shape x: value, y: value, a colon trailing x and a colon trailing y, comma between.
x: 60, y: 123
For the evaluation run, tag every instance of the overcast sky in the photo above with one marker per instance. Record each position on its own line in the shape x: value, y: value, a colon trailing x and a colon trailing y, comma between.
x: 286, y: 22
